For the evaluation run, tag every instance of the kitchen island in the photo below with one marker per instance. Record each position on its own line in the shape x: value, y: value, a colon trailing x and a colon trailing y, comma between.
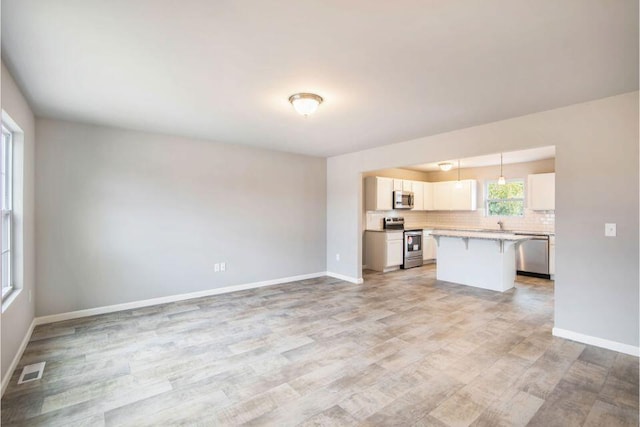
x: 481, y: 259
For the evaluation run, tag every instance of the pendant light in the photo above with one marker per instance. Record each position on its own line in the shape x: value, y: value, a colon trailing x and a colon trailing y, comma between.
x: 459, y: 183
x: 501, y: 178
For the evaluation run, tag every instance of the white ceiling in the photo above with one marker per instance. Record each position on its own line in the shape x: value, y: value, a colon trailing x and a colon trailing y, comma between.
x: 389, y: 70
x: 511, y: 157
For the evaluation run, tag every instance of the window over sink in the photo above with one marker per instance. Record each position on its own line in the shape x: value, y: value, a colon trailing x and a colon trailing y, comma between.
x: 506, y: 199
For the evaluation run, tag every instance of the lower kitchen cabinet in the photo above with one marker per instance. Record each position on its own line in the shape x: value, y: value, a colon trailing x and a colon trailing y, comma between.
x: 429, y: 246
x: 383, y: 250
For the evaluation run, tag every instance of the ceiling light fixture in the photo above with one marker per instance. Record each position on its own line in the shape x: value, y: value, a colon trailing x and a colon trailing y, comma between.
x: 501, y: 179
x: 305, y: 103
x: 459, y: 183
x: 445, y: 167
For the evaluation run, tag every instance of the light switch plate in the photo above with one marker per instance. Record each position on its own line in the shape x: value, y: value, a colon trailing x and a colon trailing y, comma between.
x: 223, y: 266
x: 216, y: 267
x: 610, y: 230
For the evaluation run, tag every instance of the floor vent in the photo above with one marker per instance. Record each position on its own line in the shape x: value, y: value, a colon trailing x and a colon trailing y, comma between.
x: 31, y: 372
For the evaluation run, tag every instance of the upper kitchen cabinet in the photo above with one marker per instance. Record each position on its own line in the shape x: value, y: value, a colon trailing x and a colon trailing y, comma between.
x: 442, y: 192
x: 542, y: 192
x: 455, y: 195
x: 378, y: 193
x: 418, y: 195
x: 427, y: 196
x: 427, y: 202
x: 464, y: 195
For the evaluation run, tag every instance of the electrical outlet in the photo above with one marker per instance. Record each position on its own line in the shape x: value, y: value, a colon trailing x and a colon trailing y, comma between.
x: 610, y: 230
x: 223, y: 266
x: 216, y: 267
x: 337, y: 257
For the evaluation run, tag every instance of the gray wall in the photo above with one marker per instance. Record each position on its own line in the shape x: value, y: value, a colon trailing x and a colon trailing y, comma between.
x: 125, y: 216
x: 596, y: 182
x: 18, y: 314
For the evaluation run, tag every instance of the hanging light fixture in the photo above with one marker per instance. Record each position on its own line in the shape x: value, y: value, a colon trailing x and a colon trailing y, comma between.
x: 459, y: 183
x: 305, y: 103
x: 501, y: 178
x: 445, y: 167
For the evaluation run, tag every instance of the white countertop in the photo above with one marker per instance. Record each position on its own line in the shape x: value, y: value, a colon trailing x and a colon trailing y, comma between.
x: 480, y: 235
x: 466, y: 229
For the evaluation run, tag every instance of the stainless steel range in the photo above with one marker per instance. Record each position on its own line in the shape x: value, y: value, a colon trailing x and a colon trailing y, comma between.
x: 394, y: 223
x: 413, y: 240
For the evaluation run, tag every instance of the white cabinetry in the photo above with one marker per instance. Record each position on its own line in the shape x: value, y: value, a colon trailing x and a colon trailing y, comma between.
x: 428, y: 196
x: 541, y: 192
x: 395, y: 251
x: 383, y: 250
x: 429, y: 246
x: 427, y: 202
x: 378, y: 193
x: 463, y: 195
x: 418, y: 195
x: 455, y: 196
x: 442, y: 196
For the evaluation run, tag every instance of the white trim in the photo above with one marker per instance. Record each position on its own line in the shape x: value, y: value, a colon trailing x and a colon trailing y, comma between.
x: 357, y: 281
x: 17, y: 357
x: 10, y: 124
x: 598, y: 342
x: 171, y: 298
x: 10, y: 297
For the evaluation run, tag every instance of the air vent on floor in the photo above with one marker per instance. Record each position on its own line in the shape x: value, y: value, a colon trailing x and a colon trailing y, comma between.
x: 31, y: 372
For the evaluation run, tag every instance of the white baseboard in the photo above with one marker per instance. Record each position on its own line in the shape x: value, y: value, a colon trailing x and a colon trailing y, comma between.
x: 171, y: 298
x: 355, y: 280
x: 17, y: 357
x: 598, y: 342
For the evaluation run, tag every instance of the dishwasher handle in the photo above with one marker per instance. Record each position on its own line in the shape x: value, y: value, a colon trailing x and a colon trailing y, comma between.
x: 533, y: 236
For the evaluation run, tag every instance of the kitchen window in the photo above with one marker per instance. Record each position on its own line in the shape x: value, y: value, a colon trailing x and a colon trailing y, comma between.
x: 505, y: 200
x: 6, y: 158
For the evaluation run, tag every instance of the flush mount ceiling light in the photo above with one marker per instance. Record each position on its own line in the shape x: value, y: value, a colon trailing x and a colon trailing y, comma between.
x: 501, y: 179
x: 445, y: 166
x: 305, y: 103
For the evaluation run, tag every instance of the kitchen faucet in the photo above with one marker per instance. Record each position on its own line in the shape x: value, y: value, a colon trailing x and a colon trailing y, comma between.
x: 501, y: 224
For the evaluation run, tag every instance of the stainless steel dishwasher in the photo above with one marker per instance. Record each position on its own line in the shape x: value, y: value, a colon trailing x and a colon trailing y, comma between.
x: 532, y: 256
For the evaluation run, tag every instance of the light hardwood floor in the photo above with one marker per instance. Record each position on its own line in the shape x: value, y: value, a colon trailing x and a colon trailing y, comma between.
x: 401, y: 349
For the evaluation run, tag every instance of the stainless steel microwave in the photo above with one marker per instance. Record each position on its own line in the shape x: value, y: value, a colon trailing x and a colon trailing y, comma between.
x: 402, y: 200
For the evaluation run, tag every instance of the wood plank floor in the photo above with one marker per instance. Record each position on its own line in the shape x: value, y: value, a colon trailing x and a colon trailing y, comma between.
x: 401, y: 349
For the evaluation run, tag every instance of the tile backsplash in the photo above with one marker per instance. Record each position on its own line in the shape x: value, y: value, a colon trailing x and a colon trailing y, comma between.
x: 531, y: 221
